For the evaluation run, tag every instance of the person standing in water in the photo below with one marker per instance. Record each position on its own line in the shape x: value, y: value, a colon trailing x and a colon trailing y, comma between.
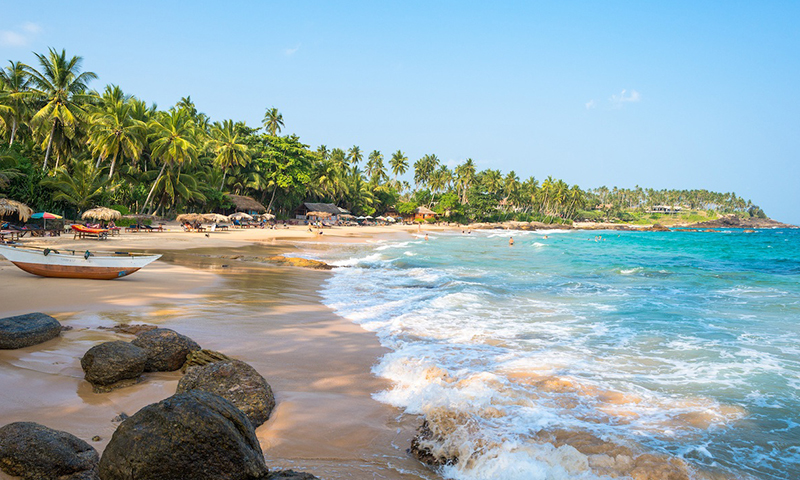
x: 426, y: 237
x: 511, y: 242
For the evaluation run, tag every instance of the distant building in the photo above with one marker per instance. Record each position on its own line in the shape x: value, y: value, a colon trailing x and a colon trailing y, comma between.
x: 424, y: 213
x: 669, y: 209
x: 244, y: 204
x: 302, y: 212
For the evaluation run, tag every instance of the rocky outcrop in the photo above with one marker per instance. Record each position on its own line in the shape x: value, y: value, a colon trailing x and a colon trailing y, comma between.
x: 422, y: 451
x: 189, y: 436
x: 733, y: 221
x: 301, y: 262
x: 113, y: 364
x: 166, y: 349
x: 290, y: 475
x: 131, y: 329
x: 657, y: 227
x: 36, y: 452
x: 236, y: 382
x: 26, y: 330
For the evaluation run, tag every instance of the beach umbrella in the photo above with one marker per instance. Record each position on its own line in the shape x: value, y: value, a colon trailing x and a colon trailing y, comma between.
x: 45, y: 216
x: 361, y: 217
x: 102, y: 213
x: 267, y: 216
x: 189, y: 217
x: 369, y: 217
x: 215, y: 218
x: 240, y: 216
x: 390, y: 219
x: 8, y: 207
x: 318, y: 214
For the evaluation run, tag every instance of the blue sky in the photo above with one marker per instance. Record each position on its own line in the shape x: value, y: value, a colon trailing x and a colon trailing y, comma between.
x: 656, y: 94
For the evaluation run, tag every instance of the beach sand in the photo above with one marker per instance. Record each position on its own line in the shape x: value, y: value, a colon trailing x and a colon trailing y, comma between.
x: 317, y: 363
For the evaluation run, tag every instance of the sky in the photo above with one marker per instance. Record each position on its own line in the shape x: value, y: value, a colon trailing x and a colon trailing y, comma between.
x: 678, y: 94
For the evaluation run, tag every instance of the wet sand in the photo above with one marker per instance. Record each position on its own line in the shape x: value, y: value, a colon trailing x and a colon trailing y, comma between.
x: 317, y: 363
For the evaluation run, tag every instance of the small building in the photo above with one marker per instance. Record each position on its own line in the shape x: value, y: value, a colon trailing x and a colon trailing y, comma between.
x: 391, y: 212
x: 301, y: 212
x: 424, y: 213
x: 248, y: 205
x: 668, y: 209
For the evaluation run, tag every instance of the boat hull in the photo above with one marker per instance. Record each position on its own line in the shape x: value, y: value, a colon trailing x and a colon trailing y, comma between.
x: 63, y: 265
x: 61, y: 271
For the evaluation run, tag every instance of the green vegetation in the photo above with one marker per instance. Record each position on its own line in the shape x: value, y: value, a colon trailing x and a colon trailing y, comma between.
x: 67, y: 148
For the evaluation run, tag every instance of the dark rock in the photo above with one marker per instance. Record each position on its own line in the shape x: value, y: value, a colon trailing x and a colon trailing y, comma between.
x: 422, y: 452
x: 301, y: 262
x: 26, y: 330
x: 166, y: 349
x: 657, y: 227
x: 36, y: 452
x: 290, y: 475
x: 734, y: 221
x: 189, y: 436
x: 112, y: 362
x: 203, y: 357
x: 132, y: 329
x: 235, y: 381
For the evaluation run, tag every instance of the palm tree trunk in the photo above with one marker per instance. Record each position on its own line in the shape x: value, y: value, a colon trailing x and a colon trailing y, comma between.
x: 113, y: 162
x: 13, y: 132
x: 152, y: 189
x: 49, y: 144
x: 224, y: 173
x: 269, y: 207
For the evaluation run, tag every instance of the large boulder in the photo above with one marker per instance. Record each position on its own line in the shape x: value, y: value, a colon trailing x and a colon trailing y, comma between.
x: 166, y: 349
x: 36, y: 452
x: 189, y: 436
x: 26, y: 330
x: 112, y: 362
x: 235, y: 381
x: 290, y: 475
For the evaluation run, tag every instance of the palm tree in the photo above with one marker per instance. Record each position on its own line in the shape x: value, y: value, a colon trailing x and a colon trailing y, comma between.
x: 61, y: 86
x: 82, y: 187
x: 355, y: 155
x: 14, y: 94
x: 375, y: 169
x: 173, y: 143
x: 273, y: 121
x: 465, y: 176
x: 424, y: 168
x: 323, y: 152
x: 115, y: 132
x: 229, y: 148
x: 399, y: 164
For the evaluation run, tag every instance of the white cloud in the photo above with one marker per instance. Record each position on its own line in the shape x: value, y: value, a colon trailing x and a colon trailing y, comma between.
x: 291, y: 51
x: 625, y: 97
x: 590, y: 104
x: 20, y: 37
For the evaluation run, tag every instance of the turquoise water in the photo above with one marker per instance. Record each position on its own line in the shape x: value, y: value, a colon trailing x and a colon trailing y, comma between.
x: 571, y: 356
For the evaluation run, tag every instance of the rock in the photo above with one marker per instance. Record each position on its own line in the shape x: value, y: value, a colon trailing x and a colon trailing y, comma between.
x: 112, y: 362
x: 34, y: 452
x: 26, y: 330
x: 236, y: 382
x: 166, y: 349
x: 290, y: 475
x: 133, y: 329
x: 203, y: 357
x: 734, y: 221
x: 657, y: 227
x: 188, y: 436
x: 301, y: 262
x: 421, y: 448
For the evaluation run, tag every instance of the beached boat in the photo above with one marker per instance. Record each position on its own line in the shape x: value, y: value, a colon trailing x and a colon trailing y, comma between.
x: 49, y: 262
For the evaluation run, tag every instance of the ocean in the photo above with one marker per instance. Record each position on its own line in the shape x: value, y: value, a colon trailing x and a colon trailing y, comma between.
x: 588, y: 354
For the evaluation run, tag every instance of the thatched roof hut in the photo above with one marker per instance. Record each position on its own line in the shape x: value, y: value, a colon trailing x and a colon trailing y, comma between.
x: 246, y: 204
x: 189, y: 217
x: 102, y: 213
x: 9, y: 207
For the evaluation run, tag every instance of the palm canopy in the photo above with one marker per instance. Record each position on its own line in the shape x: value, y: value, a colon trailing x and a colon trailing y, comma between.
x: 62, y: 87
x: 115, y: 132
x: 229, y: 147
x: 273, y: 121
x: 14, y: 96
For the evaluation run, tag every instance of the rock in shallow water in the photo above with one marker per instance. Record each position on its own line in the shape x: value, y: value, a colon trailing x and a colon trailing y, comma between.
x: 290, y: 475
x: 166, y: 349
x: 235, y: 381
x: 189, y: 436
x: 112, y: 362
x: 34, y: 452
x: 26, y: 330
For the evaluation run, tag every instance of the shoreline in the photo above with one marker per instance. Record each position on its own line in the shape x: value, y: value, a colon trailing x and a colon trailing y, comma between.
x: 318, y: 364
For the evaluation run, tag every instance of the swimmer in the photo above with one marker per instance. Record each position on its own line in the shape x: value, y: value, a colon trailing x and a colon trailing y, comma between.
x: 545, y: 237
x: 426, y: 237
x: 511, y: 241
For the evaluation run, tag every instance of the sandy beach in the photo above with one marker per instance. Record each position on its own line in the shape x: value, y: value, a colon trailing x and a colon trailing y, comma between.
x: 318, y: 364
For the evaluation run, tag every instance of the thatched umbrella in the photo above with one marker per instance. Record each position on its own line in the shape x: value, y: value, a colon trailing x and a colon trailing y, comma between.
x: 318, y: 214
x: 8, y: 207
x: 215, y: 218
x: 268, y: 216
x: 240, y: 216
x: 189, y: 217
x: 102, y: 213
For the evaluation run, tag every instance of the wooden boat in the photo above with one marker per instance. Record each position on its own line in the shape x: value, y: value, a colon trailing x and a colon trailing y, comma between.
x: 70, y: 264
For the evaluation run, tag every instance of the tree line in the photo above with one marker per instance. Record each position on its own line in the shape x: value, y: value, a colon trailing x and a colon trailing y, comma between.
x: 68, y: 148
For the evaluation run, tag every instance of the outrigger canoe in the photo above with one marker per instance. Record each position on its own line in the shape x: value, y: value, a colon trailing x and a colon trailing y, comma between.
x: 70, y: 264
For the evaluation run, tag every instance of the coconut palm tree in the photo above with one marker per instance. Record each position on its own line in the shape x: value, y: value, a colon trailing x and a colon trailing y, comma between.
x: 14, y: 95
x: 399, y: 164
x: 82, y: 187
x: 229, y: 148
x: 273, y: 121
x: 465, y: 177
x: 62, y: 87
x: 116, y: 133
x: 172, y: 142
x: 355, y: 155
x: 375, y: 169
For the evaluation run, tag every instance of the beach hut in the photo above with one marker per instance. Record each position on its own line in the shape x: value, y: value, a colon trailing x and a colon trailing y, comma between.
x: 102, y: 213
x: 10, y: 207
x: 307, y: 209
x: 244, y: 204
x: 424, y: 213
